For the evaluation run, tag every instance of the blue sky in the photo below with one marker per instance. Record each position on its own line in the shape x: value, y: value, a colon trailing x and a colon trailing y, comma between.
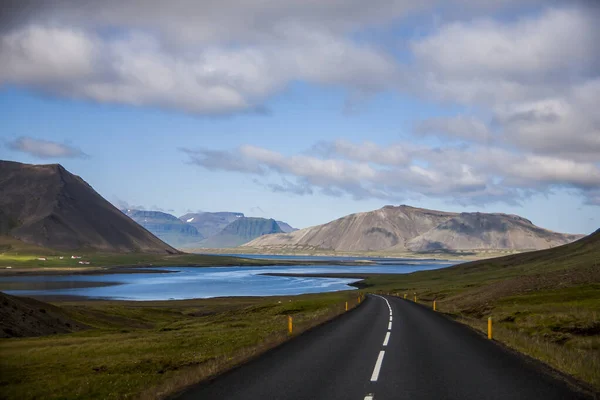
x: 313, y: 113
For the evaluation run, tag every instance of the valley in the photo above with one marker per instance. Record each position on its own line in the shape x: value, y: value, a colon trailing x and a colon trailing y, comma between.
x: 144, y: 319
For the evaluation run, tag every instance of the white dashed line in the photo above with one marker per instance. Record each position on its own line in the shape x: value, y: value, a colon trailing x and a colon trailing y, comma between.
x: 377, y: 368
x: 369, y: 397
x: 390, y: 326
x: 387, y: 338
x: 390, y: 318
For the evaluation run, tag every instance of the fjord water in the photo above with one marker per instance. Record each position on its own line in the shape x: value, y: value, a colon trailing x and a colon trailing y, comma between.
x: 179, y: 283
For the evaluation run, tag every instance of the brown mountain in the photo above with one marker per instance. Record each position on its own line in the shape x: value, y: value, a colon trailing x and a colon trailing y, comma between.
x: 405, y: 228
x: 46, y: 205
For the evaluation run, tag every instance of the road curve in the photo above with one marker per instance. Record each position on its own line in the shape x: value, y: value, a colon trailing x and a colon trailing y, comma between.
x: 388, y: 348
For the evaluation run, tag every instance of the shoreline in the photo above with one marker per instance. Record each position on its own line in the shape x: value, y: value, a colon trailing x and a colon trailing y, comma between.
x: 150, y: 268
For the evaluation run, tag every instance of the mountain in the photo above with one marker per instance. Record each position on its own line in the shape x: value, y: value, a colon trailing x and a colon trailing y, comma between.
x: 404, y: 228
x: 167, y: 227
x: 479, y: 231
x: 45, y: 205
x: 242, y: 230
x: 210, y: 223
x: 285, y: 227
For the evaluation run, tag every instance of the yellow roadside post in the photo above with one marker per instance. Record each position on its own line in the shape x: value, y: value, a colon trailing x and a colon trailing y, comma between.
x: 404, y: 296
x: 490, y: 328
x: 415, y: 297
x: 290, y: 324
x: 358, y: 299
x: 434, y: 305
x: 346, y: 306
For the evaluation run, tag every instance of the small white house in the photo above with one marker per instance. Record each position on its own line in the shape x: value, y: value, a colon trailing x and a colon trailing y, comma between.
x: 41, y: 258
x: 84, y: 262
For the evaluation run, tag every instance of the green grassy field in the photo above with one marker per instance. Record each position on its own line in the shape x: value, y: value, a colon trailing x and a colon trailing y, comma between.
x: 545, y: 304
x: 24, y: 261
x: 152, y: 349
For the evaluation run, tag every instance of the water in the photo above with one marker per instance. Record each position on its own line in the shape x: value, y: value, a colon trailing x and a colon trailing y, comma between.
x: 189, y: 282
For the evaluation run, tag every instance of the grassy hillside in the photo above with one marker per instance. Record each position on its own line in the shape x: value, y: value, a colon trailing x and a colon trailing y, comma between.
x: 151, y: 349
x: 545, y: 303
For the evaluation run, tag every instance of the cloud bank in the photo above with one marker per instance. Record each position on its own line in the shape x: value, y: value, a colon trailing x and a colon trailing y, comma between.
x: 525, y: 76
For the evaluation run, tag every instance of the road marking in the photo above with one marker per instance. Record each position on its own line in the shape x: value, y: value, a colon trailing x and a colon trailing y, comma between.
x: 377, y: 368
x: 390, y: 326
x: 387, y: 339
x: 390, y: 318
x: 370, y: 397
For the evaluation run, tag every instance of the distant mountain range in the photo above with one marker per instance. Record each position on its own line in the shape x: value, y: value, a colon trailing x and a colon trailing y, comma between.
x: 210, y: 223
x: 206, y: 229
x: 404, y: 228
x: 167, y: 227
x: 45, y: 205
x: 241, y: 231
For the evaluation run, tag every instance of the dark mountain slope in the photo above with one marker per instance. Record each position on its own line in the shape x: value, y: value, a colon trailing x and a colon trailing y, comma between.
x: 48, y: 206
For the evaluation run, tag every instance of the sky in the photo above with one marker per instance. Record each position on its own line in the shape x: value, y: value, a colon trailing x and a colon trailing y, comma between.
x: 309, y: 110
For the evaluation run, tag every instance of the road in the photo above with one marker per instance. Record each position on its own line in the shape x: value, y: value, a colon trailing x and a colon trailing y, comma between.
x: 388, y: 348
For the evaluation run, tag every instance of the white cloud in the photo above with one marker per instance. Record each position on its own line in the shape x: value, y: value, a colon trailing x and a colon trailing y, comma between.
x: 45, y: 149
x: 397, y: 154
x: 557, y: 43
x: 465, y: 174
x: 536, y: 78
x: 139, y: 70
x: 460, y: 126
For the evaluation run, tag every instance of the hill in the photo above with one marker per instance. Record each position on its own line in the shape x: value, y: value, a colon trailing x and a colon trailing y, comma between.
x: 543, y: 303
x: 45, y: 205
x: 22, y: 316
x: 404, y: 228
x: 242, y: 230
x: 167, y: 227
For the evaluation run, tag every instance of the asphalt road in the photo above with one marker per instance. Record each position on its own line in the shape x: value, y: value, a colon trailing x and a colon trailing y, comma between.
x: 392, y: 349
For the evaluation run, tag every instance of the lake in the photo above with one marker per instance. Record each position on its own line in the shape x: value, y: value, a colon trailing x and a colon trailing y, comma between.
x: 178, y: 283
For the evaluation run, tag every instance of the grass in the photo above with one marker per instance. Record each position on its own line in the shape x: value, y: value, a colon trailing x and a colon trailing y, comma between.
x: 152, y: 349
x: 545, y: 304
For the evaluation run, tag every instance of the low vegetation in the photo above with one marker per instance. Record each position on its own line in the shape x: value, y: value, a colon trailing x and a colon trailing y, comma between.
x: 153, y: 348
x: 545, y: 304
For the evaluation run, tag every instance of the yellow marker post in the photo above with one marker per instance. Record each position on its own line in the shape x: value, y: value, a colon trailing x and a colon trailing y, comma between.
x: 490, y: 328
x: 346, y: 306
x: 290, y: 324
x: 358, y: 299
x: 404, y: 295
x: 415, y: 298
x: 434, y: 306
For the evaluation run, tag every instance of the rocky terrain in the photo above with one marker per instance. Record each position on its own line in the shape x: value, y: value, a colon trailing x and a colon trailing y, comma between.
x: 404, y: 228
